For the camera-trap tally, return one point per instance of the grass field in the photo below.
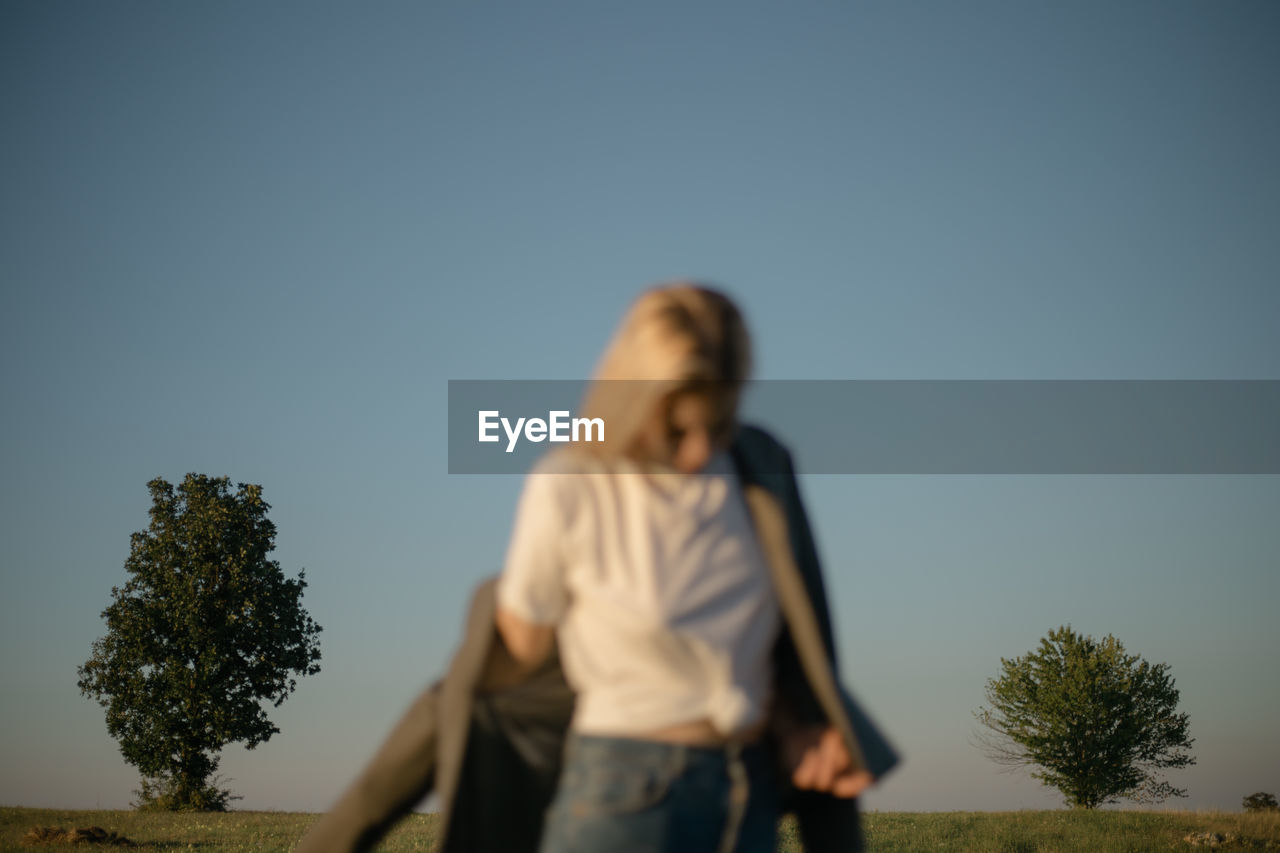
(996, 832)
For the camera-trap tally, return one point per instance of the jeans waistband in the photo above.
(621, 747)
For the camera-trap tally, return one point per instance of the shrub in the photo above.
(1261, 802)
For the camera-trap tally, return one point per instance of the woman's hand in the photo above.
(820, 762)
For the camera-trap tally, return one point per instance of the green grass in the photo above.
(1066, 831)
(996, 832)
(203, 832)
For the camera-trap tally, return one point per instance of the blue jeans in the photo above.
(619, 794)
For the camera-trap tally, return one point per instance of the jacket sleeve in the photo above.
(879, 755)
(399, 776)
(877, 752)
(806, 552)
(778, 472)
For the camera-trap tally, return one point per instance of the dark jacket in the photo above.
(489, 744)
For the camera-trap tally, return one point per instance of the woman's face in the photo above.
(684, 431)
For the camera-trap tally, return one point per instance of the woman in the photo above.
(639, 557)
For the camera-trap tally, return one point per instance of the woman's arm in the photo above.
(531, 594)
(527, 642)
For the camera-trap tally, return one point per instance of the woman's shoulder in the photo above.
(568, 460)
(570, 480)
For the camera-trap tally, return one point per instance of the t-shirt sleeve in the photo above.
(532, 584)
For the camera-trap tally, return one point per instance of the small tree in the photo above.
(1261, 802)
(1098, 723)
(205, 628)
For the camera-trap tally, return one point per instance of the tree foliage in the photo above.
(204, 630)
(1099, 724)
(1261, 802)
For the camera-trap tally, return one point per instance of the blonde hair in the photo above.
(675, 338)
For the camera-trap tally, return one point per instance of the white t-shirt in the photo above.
(662, 597)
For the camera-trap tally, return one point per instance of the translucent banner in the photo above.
(913, 426)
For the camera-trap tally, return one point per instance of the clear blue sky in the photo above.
(258, 239)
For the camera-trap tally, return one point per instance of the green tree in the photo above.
(1099, 724)
(1261, 802)
(204, 630)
